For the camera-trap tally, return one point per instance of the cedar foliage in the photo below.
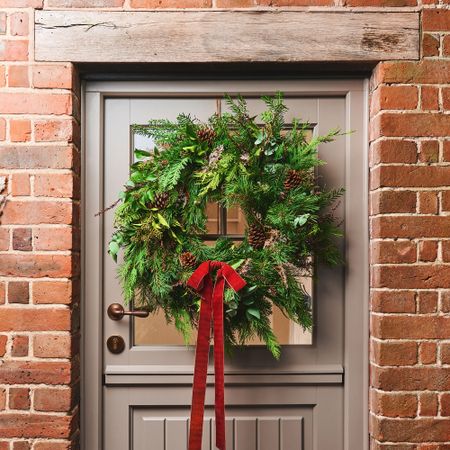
(235, 161)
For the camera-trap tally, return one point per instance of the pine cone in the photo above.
(188, 260)
(256, 236)
(207, 135)
(161, 201)
(293, 180)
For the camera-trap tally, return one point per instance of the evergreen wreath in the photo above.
(266, 170)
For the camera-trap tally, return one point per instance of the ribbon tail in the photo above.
(219, 362)
(201, 367)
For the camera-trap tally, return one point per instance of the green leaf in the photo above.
(113, 249)
(301, 220)
(253, 314)
(141, 154)
(236, 264)
(163, 221)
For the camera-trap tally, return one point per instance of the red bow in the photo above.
(211, 306)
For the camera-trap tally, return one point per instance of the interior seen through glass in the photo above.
(155, 331)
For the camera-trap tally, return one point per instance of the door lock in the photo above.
(116, 312)
(115, 344)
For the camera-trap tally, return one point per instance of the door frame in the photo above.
(356, 361)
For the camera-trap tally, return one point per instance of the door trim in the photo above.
(356, 404)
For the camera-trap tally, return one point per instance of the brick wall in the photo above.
(410, 231)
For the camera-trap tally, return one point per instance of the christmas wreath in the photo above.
(266, 169)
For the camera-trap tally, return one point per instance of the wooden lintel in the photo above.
(225, 36)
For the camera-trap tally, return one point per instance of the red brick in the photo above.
(54, 185)
(445, 353)
(446, 98)
(446, 251)
(19, 398)
(37, 266)
(394, 405)
(3, 342)
(410, 227)
(18, 76)
(429, 98)
(20, 184)
(2, 292)
(408, 430)
(394, 97)
(427, 302)
(2, 76)
(13, 50)
(428, 404)
(2, 129)
(22, 239)
(20, 130)
(382, 202)
(412, 276)
(35, 426)
(58, 292)
(53, 130)
(427, 352)
(410, 327)
(393, 301)
(446, 200)
(37, 157)
(35, 319)
(446, 45)
(430, 45)
(150, 4)
(53, 76)
(2, 22)
(4, 240)
(235, 3)
(21, 4)
(393, 151)
(37, 212)
(436, 20)
(18, 292)
(19, 346)
(394, 353)
(56, 239)
(52, 346)
(393, 252)
(445, 301)
(52, 399)
(445, 404)
(410, 176)
(3, 404)
(428, 202)
(84, 3)
(33, 372)
(18, 23)
(425, 71)
(410, 125)
(48, 445)
(21, 445)
(380, 3)
(416, 378)
(35, 103)
(428, 251)
(429, 152)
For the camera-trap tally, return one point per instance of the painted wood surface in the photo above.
(225, 36)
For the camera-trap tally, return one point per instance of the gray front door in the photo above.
(315, 396)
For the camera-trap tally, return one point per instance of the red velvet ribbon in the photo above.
(211, 307)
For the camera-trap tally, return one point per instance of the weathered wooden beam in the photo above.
(225, 36)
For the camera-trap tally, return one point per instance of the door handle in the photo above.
(116, 312)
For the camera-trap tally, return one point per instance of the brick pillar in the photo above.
(410, 231)
(39, 242)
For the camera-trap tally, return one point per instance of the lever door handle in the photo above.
(116, 312)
